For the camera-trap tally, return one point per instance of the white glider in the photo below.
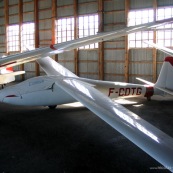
(62, 86)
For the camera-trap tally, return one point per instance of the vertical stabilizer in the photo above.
(165, 79)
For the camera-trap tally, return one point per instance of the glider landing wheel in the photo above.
(52, 106)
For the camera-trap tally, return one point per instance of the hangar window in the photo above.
(27, 36)
(136, 18)
(165, 32)
(88, 25)
(65, 29)
(140, 16)
(13, 38)
(164, 12)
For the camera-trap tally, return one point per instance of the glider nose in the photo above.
(2, 95)
(8, 96)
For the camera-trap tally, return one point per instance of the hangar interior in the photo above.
(40, 23)
(73, 139)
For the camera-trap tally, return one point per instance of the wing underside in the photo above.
(150, 139)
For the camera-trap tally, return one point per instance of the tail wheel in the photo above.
(52, 106)
(149, 92)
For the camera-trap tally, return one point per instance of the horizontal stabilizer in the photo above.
(165, 90)
(159, 88)
(145, 81)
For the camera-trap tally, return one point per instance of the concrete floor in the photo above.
(73, 140)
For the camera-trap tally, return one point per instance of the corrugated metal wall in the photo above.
(114, 51)
(141, 64)
(136, 4)
(28, 11)
(88, 63)
(162, 3)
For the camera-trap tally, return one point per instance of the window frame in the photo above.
(164, 34)
(27, 36)
(163, 38)
(13, 38)
(20, 37)
(85, 28)
(64, 29)
(135, 17)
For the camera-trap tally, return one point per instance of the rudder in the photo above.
(165, 79)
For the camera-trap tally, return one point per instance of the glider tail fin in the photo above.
(165, 79)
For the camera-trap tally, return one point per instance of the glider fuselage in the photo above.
(42, 91)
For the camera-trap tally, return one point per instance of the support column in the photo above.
(6, 21)
(54, 12)
(101, 44)
(154, 49)
(36, 19)
(22, 67)
(126, 66)
(54, 17)
(76, 36)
